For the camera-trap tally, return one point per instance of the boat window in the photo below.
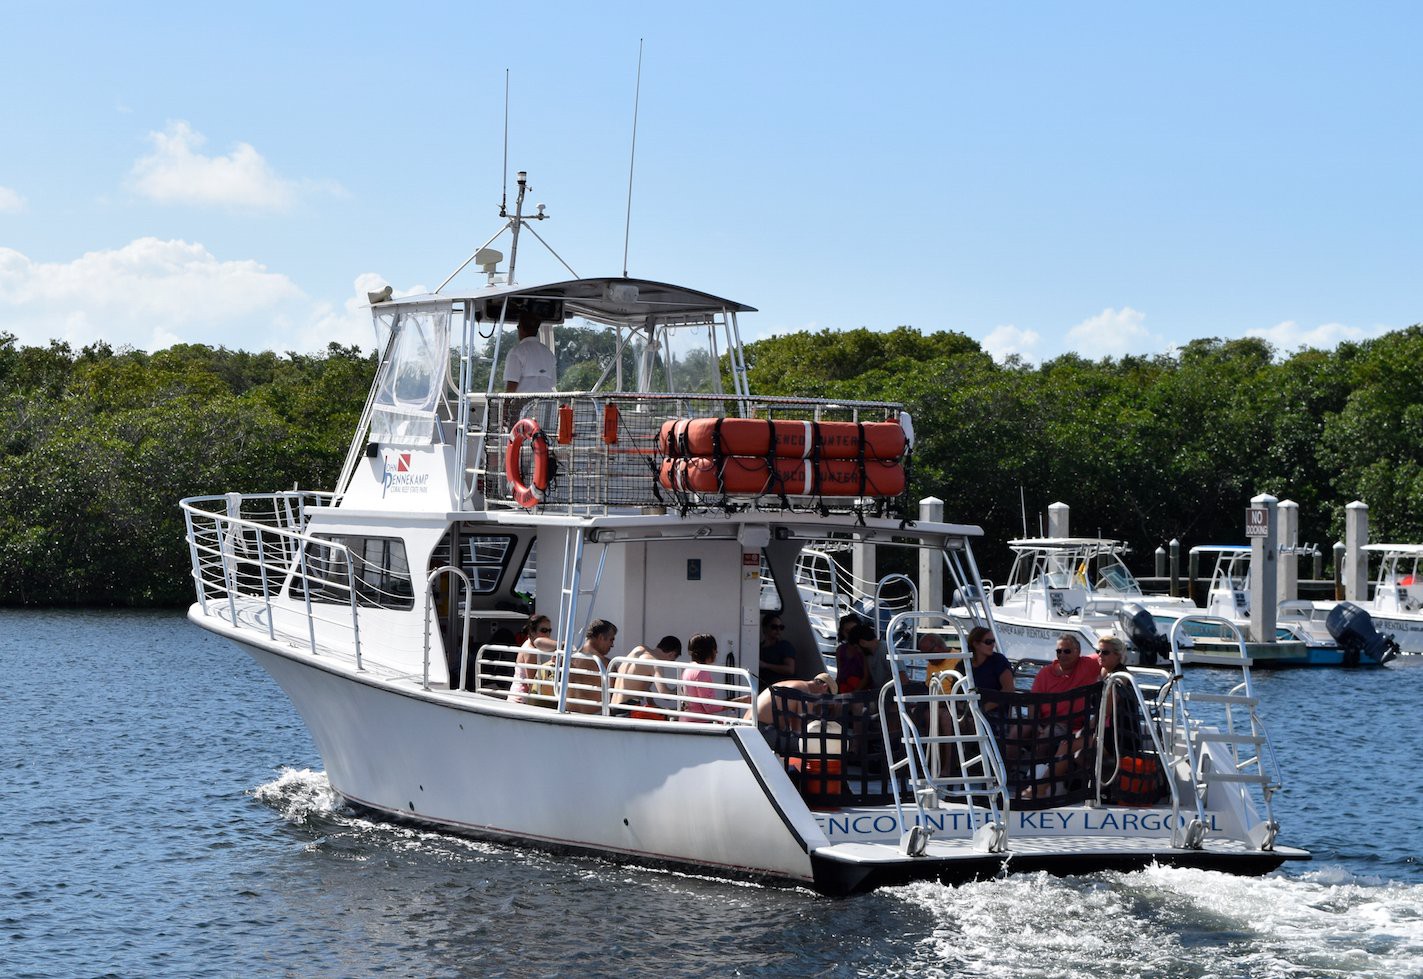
(483, 560)
(378, 567)
(483, 557)
(413, 374)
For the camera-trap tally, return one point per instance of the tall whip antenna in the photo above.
(504, 200)
(637, 94)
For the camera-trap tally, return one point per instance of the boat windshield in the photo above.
(1114, 578)
(413, 373)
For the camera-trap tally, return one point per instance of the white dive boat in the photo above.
(1397, 603)
(384, 610)
(1302, 633)
(1076, 585)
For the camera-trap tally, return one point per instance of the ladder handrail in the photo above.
(992, 784)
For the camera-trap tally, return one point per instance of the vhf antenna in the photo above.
(504, 199)
(632, 158)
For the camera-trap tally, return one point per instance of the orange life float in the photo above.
(1140, 782)
(750, 476)
(529, 494)
(783, 439)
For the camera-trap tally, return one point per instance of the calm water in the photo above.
(165, 814)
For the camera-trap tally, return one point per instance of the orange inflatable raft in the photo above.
(751, 476)
(717, 437)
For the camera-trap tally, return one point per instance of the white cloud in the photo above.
(753, 329)
(1003, 342)
(1114, 333)
(151, 294)
(10, 201)
(1289, 336)
(177, 173)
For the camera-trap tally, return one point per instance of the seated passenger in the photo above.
(1070, 671)
(822, 685)
(589, 666)
(932, 644)
(701, 702)
(532, 655)
(852, 659)
(637, 681)
(991, 669)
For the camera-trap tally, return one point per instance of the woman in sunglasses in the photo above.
(533, 653)
(991, 669)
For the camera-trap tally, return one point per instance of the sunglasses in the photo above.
(544, 630)
(990, 641)
(1065, 651)
(1108, 652)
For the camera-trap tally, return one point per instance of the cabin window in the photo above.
(378, 567)
(483, 557)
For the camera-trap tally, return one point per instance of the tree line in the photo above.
(98, 445)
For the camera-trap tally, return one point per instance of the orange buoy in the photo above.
(565, 424)
(610, 424)
(784, 439)
(529, 494)
(750, 476)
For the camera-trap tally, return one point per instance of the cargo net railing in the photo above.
(831, 747)
(598, 452)
(252, 567)
(1048, 742)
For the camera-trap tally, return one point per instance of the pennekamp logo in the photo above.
(400, 477)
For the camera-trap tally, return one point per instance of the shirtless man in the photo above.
(589, 666)
(821, 685)
(638, 681)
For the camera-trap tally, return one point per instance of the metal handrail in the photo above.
(1150, 723)
(227, 530)
(429, 607)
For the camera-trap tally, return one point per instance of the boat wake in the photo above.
(306, 799)
(1170, 922)
(300, 795)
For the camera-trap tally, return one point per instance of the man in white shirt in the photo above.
(530, 366)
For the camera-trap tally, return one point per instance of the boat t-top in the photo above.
(395, 611)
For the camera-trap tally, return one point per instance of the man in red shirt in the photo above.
(1070, 671)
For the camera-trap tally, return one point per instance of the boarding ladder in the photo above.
(974, 774)
(1221, 738)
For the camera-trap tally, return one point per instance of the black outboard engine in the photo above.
(1140, 627)
(1353, 629)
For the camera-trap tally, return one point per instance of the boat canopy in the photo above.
(1065, 543)
(610, 300)
(1398, 550)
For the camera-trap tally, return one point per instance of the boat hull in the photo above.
(682, 796)
(709, 797)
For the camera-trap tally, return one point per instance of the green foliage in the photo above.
(98, 445)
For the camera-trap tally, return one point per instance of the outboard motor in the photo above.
(1141, 631)
(1353, 629)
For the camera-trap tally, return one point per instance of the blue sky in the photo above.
(1103, 178)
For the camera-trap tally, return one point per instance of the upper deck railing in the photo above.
(603, 447)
